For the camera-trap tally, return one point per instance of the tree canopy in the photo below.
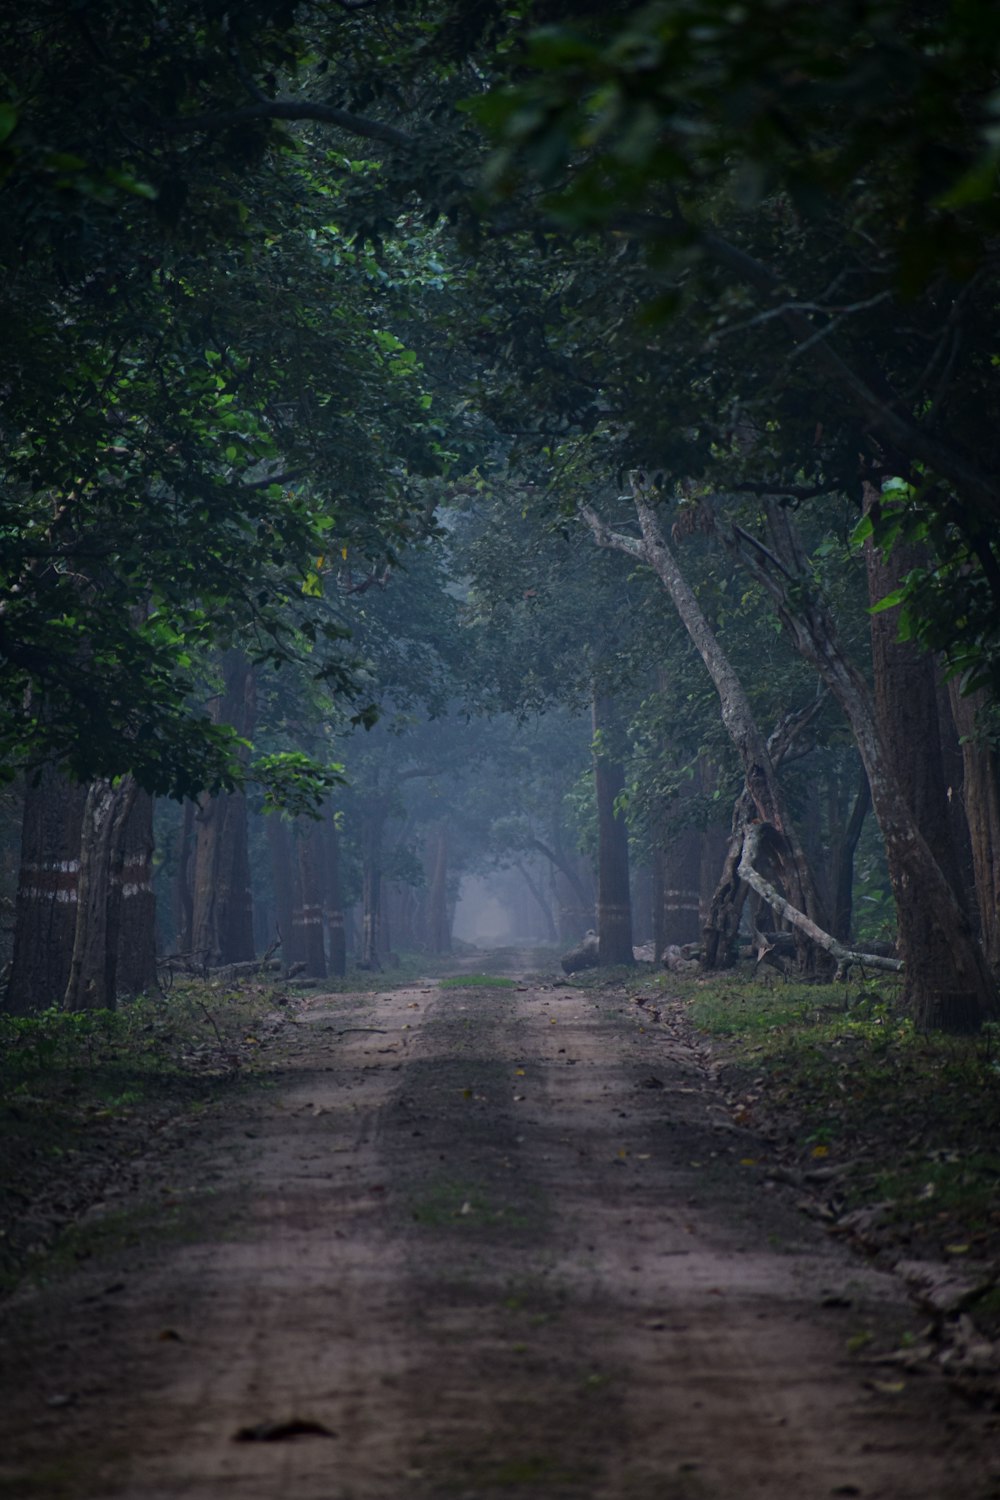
(337, 335)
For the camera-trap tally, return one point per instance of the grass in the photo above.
(476, 982)
(833, 1077)
(79, 1094)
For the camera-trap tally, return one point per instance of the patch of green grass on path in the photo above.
(477, 982)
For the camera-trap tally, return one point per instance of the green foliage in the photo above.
(295, 783)
(839, 1082)
(205, 398)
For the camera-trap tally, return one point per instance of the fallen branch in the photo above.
(846, 958)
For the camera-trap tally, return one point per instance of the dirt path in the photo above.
(497, 1243)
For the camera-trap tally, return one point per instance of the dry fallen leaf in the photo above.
(277, 1432)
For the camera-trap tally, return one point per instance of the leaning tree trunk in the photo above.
(542, 903)
(137, 932)
(575, 903)
(45, 911)
(762, 784)
(948, 982)
(92, 982)
(614, 903)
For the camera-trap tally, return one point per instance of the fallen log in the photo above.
(847, 958)
(586, 956)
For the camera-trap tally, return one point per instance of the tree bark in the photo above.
(223, 901)
(843, 849)
(183, 895)
(45, 909)
(372, 826)
(92, 982)
(981, 798)
(334, 898)
(846, 957)
(762, 784)
(948, 982)
(310, 913)
(614, 906)
(283, 883)
(137, 936)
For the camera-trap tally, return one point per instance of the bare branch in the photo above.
(847, 958)
(913, 442)
(615, 541)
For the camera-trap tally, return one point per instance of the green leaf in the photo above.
(889, 602)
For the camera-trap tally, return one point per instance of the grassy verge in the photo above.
(894, 1134)
(81, 1095)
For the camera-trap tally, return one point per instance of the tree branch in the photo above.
(911, 441)
(846, 958)
(288, 109)
(616, 541)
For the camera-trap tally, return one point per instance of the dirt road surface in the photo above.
(471, 1243)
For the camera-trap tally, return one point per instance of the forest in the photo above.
(499, 749)
(532, 439)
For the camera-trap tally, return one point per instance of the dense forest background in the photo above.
(551, 442)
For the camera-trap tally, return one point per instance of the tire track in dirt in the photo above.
(500, 1242)
(658, 1330)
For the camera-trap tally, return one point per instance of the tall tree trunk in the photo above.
(45, 910)
(844, 844)
(682, 864)
(310, 863)
(92, 982)
(223, 901)
(137, 935)
(906, 709)
(183, 895)
(762, 784)
(372, 827)
(283, 883)
(614, 904)
(948, 983)
(981, 798)
(334, 897)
